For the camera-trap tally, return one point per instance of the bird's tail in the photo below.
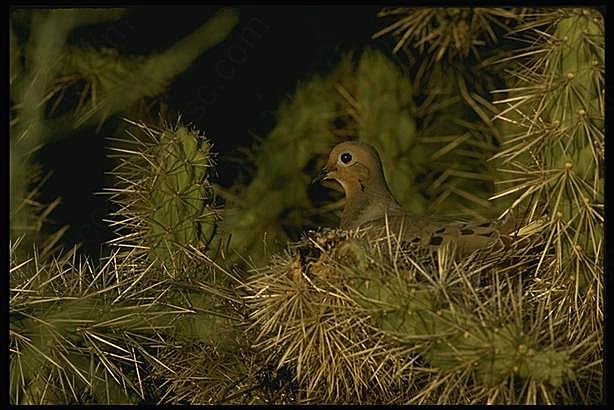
(523, 222)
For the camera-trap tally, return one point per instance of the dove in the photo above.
(369, 204)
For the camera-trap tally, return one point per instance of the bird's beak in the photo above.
(322, 176)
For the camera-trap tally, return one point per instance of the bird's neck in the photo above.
(366, 204)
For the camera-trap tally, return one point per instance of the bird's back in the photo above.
(432, 232)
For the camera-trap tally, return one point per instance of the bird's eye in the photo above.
(346, 157)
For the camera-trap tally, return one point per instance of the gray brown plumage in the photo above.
(358, 169)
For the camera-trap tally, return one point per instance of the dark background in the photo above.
(230, 93)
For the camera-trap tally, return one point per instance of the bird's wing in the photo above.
(433, 232)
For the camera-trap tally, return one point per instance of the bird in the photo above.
(369, 204)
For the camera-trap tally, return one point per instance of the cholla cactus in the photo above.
(304, 318)
(556, 109)
(84, 330)
(381, 323)
(163, 190)
(81, 333)
(87, 333)
(554, 154)
(446, 32)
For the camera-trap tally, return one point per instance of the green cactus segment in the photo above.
(82, 334)
(557, 106)
(201, 326)
(177, 198)
(554, 154)
(79, 333)
(43, 52)
(166, 200)
(582, 55)
(577, 104)
(456, 337)
(566, 93)
(496, 353)
(447, 334)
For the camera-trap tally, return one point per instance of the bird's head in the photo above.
(355, 166)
